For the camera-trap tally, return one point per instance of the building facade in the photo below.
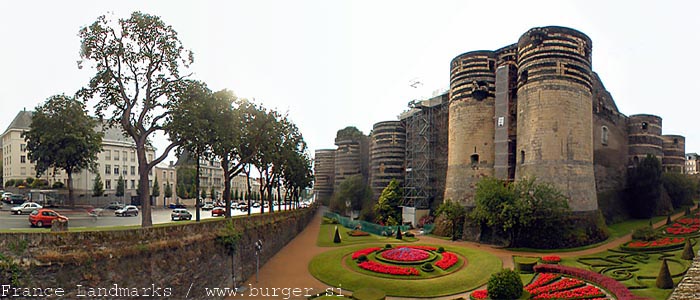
(117, 159)
(165, 175)
(692, 164)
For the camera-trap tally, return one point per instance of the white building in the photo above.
(118, 158)
(692, 164)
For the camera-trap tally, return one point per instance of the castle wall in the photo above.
(674, 153)
(555, 138)
(644, 137)
(471, 153)
(387, 155)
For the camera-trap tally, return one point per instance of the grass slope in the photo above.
(325, 237)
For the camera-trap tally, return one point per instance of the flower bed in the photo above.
(357, 233)
(556, 286)
(367, 251)
(405, 254)
(541, 280)
(479, 294)
(659, 244)
(448, 260)
(613, 286)
(688, 221)
(584, 292)
(426, 248)
(551, 259)
(387, 269)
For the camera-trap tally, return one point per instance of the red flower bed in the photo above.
(551, 259)
(479, 294)
(541, 280)
(559, 285)
(386, 269)
(357, 233)
(405, 254)
(682, 230)
(657, 243)
(688, 221)
(364, 252)
(426, 248)
(448, 259)
(577, 293)
(613, 286)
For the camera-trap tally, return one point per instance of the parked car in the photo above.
(25, 208)
(44, 216)
(218, 211)
(180, 214)
(208, 206)
(17, 199)
(6, 196)
(115, 205)
(178, 205)
(128, 210)
(256, 204)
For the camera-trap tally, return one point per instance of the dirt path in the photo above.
(289, 267)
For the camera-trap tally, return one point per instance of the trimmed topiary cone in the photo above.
(688, 253)
(687, 211)
(336, 238)
(664, 281)
(398, 234)
(668, 220)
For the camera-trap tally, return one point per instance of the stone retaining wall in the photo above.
(151, 262)
(689, 287)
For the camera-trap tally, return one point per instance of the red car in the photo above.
(43, 217)
(218, 211)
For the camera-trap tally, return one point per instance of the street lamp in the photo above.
(258, 249)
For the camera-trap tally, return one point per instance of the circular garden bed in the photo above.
(402, 270)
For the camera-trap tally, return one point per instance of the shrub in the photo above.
(362, 258)
(408, 234)
(18, 183)
(336, 238)
(664, 281)
(645, 234)
(398, 234)
(10, 182)
(688, 253)
(29, 180)
(679, 187)
(505, 284)
(427, 267)
(441, 250)
(387, 246)
(57, 185)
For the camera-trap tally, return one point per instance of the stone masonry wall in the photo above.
(689, 287)
(146, 261)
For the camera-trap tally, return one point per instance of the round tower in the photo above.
(554, 113)
(470, 154)
(387, 155)
(674, 153)
(644, 138)
(324, 174)
(348, 160)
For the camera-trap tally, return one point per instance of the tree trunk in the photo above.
(269, 195)
(71, 198)
(262, 194)
(196, 187)
(146, 219)
(227, 187)
(247, 179)
(279, 198)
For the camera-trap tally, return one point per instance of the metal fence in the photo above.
(364, 226)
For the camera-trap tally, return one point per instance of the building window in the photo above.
(116, 155)
(501, 121)
(475, 160)
(645, 126)
(23, 147)
(22, 159)
(675, 141)
(133, 156)
(522, 156)
(108, 184)
(116, 170)
(133, 170)
(124, 172)
(133, 184)
(604, 135)
(108, 169)
(108, 154)
(124, 155)
(171, 175)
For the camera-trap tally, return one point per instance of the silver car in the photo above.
(27, 207)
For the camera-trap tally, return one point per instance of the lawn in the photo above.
(325, 237)
(328, 267)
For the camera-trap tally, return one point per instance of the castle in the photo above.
(531, 109)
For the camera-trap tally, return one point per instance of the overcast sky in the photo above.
(331, 64)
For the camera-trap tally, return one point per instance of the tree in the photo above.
(120, 187)
(518, 208)
(185, 180)
(63, 136)
(168, 190)
(97, 186)
(454, 212)
(212, 193)
(354, 190)
(137, 62)
(643, 189)
(203, 194)
(155, 192)
(680, 188)
(389, 201)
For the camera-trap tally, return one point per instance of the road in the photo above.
(80, 218)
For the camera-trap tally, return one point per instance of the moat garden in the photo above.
(648, 265)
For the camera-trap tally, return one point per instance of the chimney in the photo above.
(171, 163)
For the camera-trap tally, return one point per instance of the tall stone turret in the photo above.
(324, 174)
(351, 155)
(674, 153)
(471, 153)
(554, 120)
(387, 155)
(644, 137)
